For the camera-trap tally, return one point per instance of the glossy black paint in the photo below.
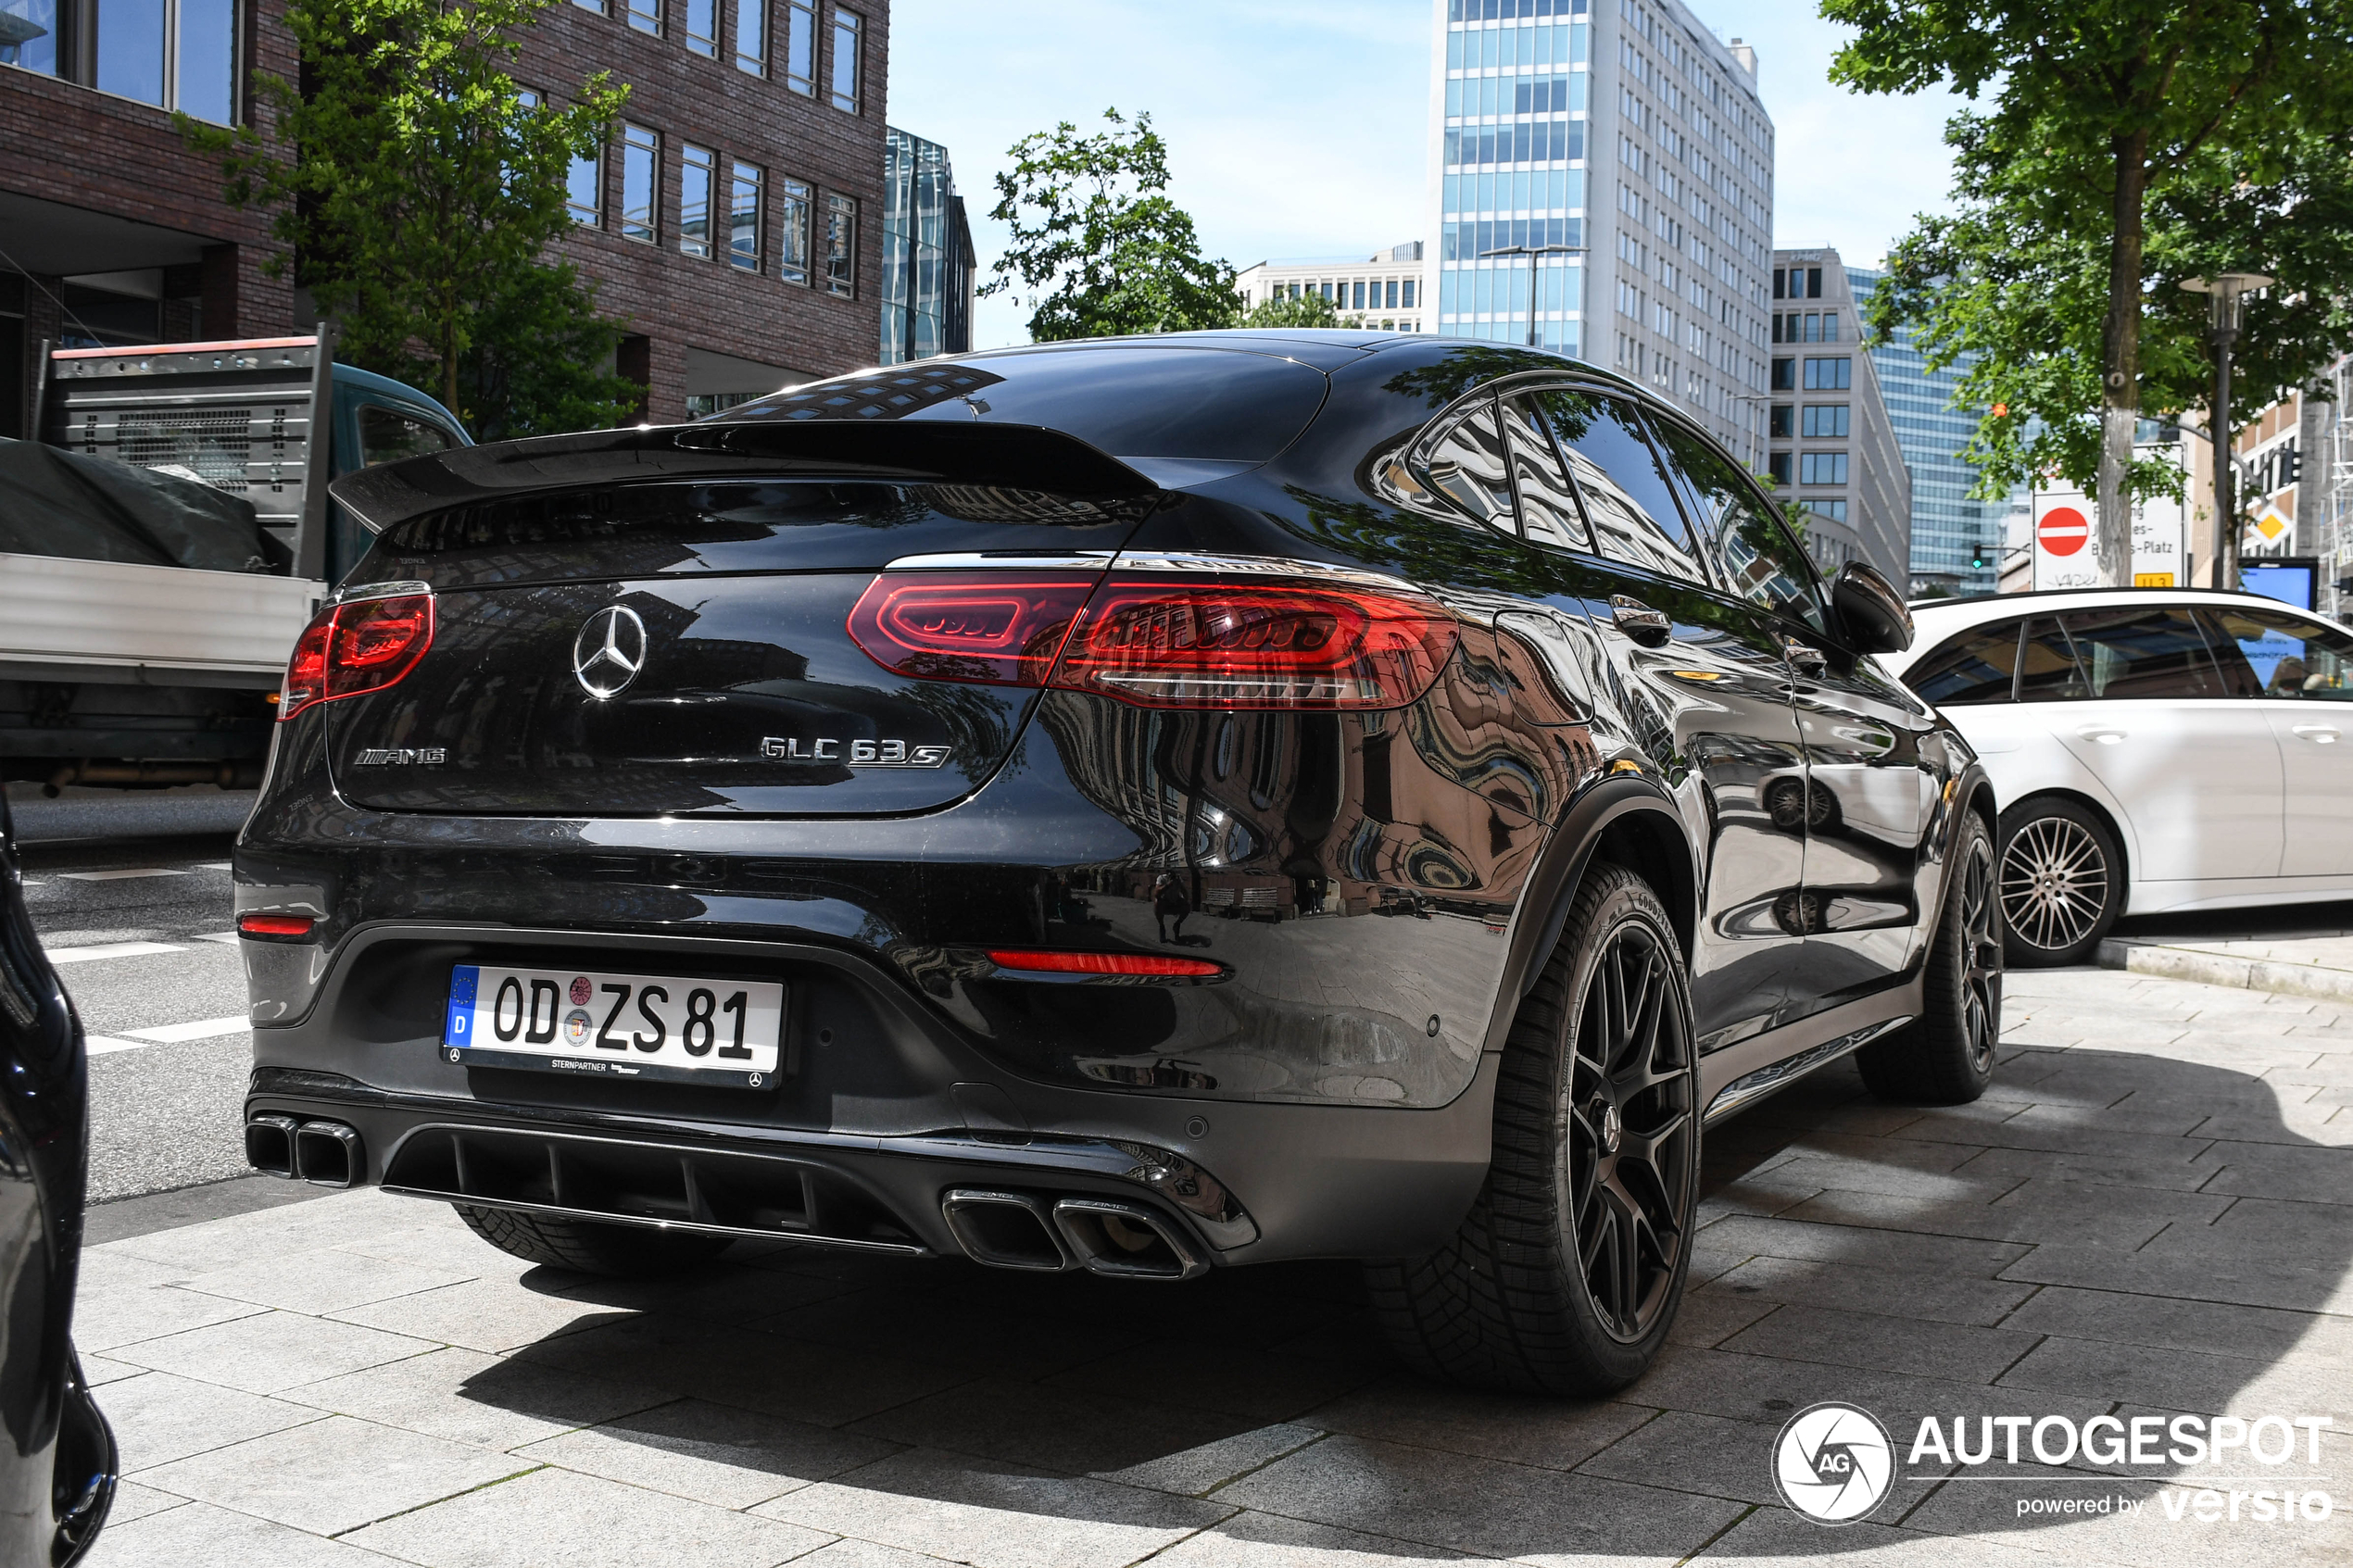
(1377, 885)
(56, 1454)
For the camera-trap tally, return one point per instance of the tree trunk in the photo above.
(2120, 363)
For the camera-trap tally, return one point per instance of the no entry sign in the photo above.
(2063, 530)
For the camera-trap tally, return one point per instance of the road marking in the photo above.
(217, 936)
(214, 865)
(202, 1029)
(102, 1045)
(109, 950)
(118, 876)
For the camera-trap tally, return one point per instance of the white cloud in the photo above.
(1303, 130)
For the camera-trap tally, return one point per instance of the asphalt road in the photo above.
(141, 932)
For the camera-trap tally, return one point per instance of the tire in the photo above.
(1945, 1057)
(1567, 1272)
(587, 1247)
(2062, 882)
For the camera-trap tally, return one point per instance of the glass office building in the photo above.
(1628, 141)
(1957, 542)
(927, 253)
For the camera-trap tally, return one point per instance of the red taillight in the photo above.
(275, 925)
(358, 647)
(1162, 644)
(991, 629)
(1099, 963)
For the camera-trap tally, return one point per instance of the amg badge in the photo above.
(429, 757)
(861, 753)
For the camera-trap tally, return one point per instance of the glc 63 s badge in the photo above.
(861, 753)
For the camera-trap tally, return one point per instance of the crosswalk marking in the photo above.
(102, 1045)
(109, 950)
(200, 1029)
(120, 875)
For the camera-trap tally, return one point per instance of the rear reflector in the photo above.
(1100, 963)
(353, 648)
(275, 925)
(988, 629)
(1158, 642)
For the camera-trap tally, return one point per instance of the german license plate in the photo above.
(728, 1032)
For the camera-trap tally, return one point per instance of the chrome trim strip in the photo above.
(359, 591)
(1013, 560)
(1255, 566)
(1745, 1091)
(606, 1217)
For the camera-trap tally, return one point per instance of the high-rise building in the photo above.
(1957, 542)
(1625, 142)
(1833, 452)
(1384, 291)
(927, 252)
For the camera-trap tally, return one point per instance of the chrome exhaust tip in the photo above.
(1125, 1240)
(270, 1144)
(327, 1154)
(1006, 1230)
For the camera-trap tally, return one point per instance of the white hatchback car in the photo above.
(2153, 749)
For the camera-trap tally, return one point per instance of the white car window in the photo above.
(2285, 654)
(2047, 671)
(2145, 651)
(1979, 665)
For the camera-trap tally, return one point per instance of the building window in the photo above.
(751, 36)
(640, 177)
(742, 219)
(1833, 510)
(645, 15)
(702, 27)
(1407, 303)
(697, 173)
(1824, 419)
(174, 54)
(585, 188)
(1777, 468)
(1821, 467)
(801, 47)
(1358, 290)
(1785, 375)
(846, 61)
(1823, 375)
(1391, 304)
(1777, 426)
(800, 204)
(841, 246)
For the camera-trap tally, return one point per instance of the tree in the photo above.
(1306, 310)
(2101, 116)
(1097, 249)
(418, 191)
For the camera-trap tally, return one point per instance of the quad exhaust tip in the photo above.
(1017, 1230)
(326, 1154)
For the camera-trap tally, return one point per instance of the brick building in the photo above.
(735, 222)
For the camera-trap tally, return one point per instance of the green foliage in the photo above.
(418, 193)
(2123, 147)
(1097, 250)
(1309, 309)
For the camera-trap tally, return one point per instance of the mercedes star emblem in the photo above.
(610, 651)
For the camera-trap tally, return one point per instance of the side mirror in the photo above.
(1870, 610)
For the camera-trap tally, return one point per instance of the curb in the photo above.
(2221, 969)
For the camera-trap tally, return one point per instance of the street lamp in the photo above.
(1535, 255)
(2226, 313)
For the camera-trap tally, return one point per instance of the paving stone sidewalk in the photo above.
(2297, 950)
(2151, 1212)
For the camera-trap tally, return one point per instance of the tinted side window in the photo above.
(1979, 665)
(2153, 651)
(386, 435)
(1758, 557)
(1547, 504)
(2285, 655)
(1465, 463)
(1628, 499)
(2046, 667)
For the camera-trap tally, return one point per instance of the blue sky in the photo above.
(1301, 129)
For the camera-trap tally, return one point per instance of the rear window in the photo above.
(1209, 404)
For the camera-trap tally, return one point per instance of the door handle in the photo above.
(2106, 735)
(1638, 620)
(2320, 735)
(1805, 656)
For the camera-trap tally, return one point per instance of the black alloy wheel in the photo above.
(1947, 1056)
(1565, 1274)
(2062, 883)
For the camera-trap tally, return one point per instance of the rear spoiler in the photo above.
(1009, 457)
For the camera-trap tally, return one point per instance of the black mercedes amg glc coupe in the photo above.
(1140, 805)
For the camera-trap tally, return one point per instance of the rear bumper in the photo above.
(883, 1110)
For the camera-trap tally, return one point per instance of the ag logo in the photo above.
(1833, 1463)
